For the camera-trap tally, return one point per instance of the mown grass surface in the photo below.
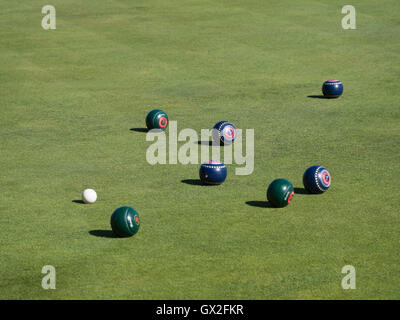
(69, 97)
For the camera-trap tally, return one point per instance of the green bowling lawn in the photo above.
(73, 103)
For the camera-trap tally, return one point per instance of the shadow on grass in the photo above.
(78, 201)
(139, 129)
(317, 97)
(193, 182)
(205, 143)
(260, 204)
(103, 233)
(300, 191)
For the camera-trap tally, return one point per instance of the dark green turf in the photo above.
(69, 97)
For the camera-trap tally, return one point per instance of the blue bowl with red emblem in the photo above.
(316, 179)
(212, 172)
(332, 89)
(224, 133)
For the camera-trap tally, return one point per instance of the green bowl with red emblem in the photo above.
(157, 119)
(125, 222)
(280, 193)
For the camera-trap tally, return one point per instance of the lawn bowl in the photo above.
(157, 119)
(224, 133)
(316, 179)
(125, 222)
(332, 89)
(280, 193)
(212, 172)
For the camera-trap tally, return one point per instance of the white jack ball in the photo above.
(89, 196)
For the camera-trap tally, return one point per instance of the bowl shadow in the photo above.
(78, 201)
(103, 233)
(260, 204)
(300, 191)
(205, 143)
(139, 129)
(317, 97)
(193, 182)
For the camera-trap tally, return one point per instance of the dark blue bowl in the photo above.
(316, 179)
(212, 172)
(332, 88)
(224, 132)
